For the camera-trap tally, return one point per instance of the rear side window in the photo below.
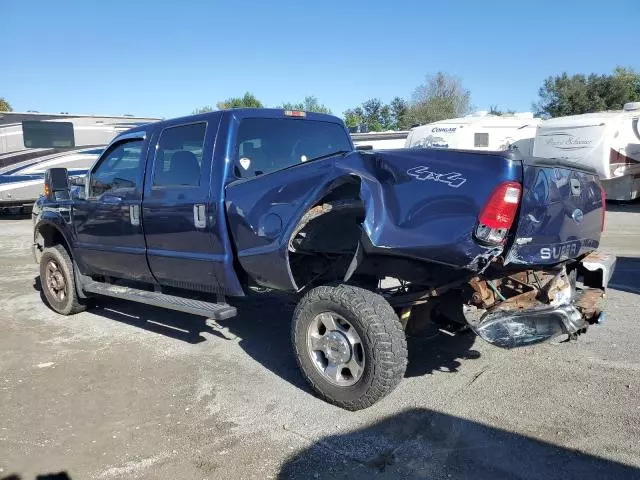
(118, 171)
(481, 139)
(179, 156)
(268, 144)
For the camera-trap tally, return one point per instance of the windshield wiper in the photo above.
(327, 155)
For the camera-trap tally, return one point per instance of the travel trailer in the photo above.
(26, 131)
(608, 142)
(478, 131)
(32, 142)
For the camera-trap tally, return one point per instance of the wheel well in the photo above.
(47, 236)
(325, 239)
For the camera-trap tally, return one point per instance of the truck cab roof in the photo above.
(239, 114)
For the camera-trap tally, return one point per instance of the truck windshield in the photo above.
(268, 144)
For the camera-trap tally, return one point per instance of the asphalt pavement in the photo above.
(128, 391)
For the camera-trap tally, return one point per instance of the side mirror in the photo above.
(78, 186)
(56, 184)
(364, 147)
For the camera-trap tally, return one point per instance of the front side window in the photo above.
(179, 156)
(268, 144)
(118, 171)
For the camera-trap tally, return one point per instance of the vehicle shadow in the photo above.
(46, 476)
(440, 352)
(616, 206)
(15, 216)
(262, 328)
(626, 276)
(422, 443)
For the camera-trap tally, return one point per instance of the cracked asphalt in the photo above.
(128, 391)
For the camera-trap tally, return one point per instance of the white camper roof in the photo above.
(588, 119)
(482, 118)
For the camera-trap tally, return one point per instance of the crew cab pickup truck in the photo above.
(188, 213)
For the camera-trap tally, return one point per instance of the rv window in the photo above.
(39, 134)
(481, 139)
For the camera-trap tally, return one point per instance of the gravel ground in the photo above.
(128, 391)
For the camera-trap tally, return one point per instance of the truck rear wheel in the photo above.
(58, 281)
(349, 344)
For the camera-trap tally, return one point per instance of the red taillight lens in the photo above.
(604, 206)
(499, 213)
(500, 210)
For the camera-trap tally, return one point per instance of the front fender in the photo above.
(56, 217)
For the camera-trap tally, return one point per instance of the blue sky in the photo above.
(165, 58)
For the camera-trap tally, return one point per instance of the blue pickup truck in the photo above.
(187, 213)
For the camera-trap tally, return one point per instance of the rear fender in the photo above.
(264, 211)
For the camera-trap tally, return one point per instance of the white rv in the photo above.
(26, 131)
(608, 142)
(478, 131)
(32, 142)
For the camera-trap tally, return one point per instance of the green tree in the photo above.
(309, 104)
(205, 109)
(247, 101)
(373, 114)
(5, 106)
(354, 117)
(442, 96)
(399, 108)
(573, 95)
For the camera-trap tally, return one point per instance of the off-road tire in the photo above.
(71, 303)
(383, 342)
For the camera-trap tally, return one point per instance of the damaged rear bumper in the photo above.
(569, 311)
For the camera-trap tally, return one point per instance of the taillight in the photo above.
(499, 213)
(604, 206)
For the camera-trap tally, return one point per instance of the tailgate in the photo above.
(561, 213)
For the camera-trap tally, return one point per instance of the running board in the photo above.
(217, 311)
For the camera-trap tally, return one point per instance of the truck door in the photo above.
(109, 237)
(179, 216)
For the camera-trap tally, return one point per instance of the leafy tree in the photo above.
(5, 106)
(373, 115)
(573, 95)
(247, 101)
(399, 108)
(309, 104)
(440, 97)
(354, 117)
(205, 109)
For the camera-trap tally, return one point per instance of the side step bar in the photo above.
(217, 311)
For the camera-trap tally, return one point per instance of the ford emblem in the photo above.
(577, 215)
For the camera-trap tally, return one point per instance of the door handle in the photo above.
(111, 199)
(134, 215)
(199, 215)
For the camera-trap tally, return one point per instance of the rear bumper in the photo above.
(570, 312)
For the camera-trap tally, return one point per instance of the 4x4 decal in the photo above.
(422, 172)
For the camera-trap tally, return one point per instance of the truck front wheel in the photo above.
(349, 344)
(58, 282)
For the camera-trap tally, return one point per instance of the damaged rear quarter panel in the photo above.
(417, 206)
(426, 219)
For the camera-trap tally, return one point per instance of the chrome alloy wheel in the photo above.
(335, 349)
